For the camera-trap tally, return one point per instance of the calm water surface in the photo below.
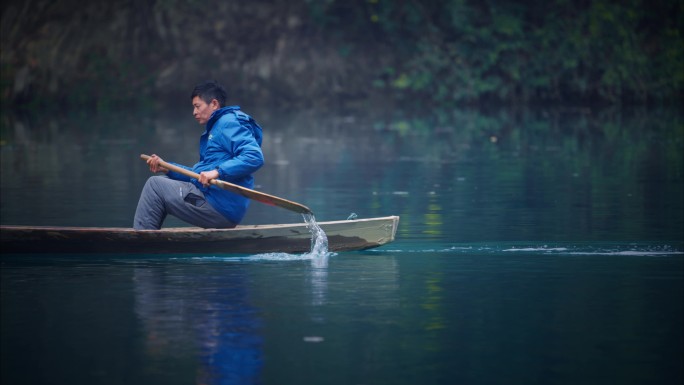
(538, 248)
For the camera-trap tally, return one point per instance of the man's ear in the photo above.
(214, 104)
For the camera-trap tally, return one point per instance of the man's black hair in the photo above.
(210, 90)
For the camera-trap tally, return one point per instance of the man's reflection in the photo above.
(206, 315)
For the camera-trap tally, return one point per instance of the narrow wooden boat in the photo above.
(347, 235)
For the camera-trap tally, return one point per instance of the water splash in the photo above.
(319, 242)
(318, 254)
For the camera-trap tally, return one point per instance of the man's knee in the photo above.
(155, 182)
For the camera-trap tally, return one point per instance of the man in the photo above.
(230, 150)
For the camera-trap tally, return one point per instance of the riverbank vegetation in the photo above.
(305, 53)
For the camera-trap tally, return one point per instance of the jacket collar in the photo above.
(216, 115)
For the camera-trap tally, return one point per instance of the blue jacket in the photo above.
(231, 144)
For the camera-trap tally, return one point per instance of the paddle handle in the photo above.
(258, 196)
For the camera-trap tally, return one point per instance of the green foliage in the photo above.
(313, 52)
(467, 51)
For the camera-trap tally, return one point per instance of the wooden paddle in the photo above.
(244, 191)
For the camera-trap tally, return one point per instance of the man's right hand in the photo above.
(153, 162)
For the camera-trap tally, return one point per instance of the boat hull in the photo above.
(348, 235)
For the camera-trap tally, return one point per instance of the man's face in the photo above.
(201, 110)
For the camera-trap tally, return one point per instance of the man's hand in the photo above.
(206, 177)
(153, 162)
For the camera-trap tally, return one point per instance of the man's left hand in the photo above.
(206, 177)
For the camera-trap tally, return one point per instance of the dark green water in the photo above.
(533, 248)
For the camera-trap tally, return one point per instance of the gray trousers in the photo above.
(162, 196)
